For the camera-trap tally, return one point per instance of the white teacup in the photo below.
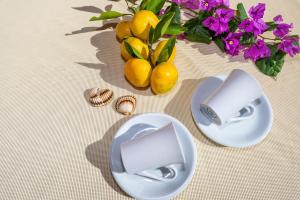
(233, 100)
(157, 149)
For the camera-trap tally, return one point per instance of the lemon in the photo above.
(137, 44)
(141, 23)
(164, 77)
(158, 49)
(138, 72)
(123, 30)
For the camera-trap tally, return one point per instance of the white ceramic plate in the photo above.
(144, 188)
(241, 134)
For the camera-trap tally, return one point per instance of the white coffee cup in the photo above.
(159, 148)
(233, 100)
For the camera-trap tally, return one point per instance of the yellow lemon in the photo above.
(163, 78)
(158, 49)
(141, 23)
(123, 30)
(137, 44)
(138, 72)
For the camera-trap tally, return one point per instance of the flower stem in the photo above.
(127, 3)
(266, 38)
(193, 11)
(189, 14)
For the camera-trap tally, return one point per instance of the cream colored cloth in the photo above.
(54, 145)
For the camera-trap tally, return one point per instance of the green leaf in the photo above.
(273, 49)
(133, 9)
(108, 15)
(192, 22)
(151, 36)
(132, 1)
(233, 25)
(166, 51)
(203, 15)
(162, 26)
(271, 66)
(272, 26)
(241, 12)
(132, 51)
(195, 32)
(219, 42)
(175, 29)
(176, 9)
(153, 5)
(296, 42)
(143, 4)
(247, 39)
(198, 33)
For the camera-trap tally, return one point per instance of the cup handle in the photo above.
(153, 176)
(250, 110)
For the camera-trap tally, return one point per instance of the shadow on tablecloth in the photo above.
(98, 152)
(111, 65)
(180, 108)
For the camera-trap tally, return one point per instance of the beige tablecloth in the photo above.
(54, 145)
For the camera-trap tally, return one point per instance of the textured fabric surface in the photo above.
(54, 145)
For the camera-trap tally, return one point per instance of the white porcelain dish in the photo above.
(143, 188)
(240, 134)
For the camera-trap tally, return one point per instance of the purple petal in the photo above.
(259, 27)
(225, 15)
(278, 18)
(192, 4)
(211, 23)
(207, 5)
(223, 3)
(161, 12)
(288, 45)
(232, 44)
(247, 25)
(282, 30)
(258, 11)
(223, 27)
(257, 51)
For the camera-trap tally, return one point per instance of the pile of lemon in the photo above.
(142, 72)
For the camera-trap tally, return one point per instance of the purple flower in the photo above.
(259, 27)
(224, 15)
(282, 30)
(253, 26)
(161, 12)
(288, 45)
(215, 25)
(192, 4)
(232, 43)
(181, 36)
(258, 11)
(246, 25)
(278, 19)
(223, 3)
(224, 27)
(207, 5)
(211, 23)
(257, 51)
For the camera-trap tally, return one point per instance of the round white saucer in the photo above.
(143, 188)
(240, 134)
